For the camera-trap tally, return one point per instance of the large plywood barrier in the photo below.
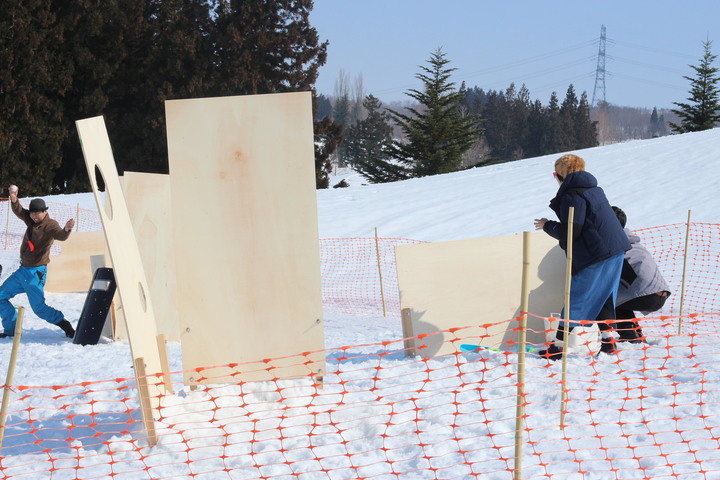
(70, 271)
(245, 230)
(123, 249)
(477, 282)
(148, 200)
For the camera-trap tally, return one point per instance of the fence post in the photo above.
(566, 317)
(684, 270)
(145, 406)
(10, 373)
(164, 362)
(377, 253)
(520, 400)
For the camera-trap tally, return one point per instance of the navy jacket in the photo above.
(597, 233)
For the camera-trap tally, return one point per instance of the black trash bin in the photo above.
(96, 308)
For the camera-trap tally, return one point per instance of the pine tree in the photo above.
(436, 133)
(585, 129)
(34, 77)
(703, 111)
(369, 142)
(91, 40)
(568, 115)
(552, 134)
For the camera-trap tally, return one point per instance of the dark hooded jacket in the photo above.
(597, 233)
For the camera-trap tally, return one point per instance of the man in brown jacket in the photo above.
(30, 277)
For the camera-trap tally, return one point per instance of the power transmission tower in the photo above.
(600, 71)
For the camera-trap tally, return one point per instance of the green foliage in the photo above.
(703, 110)
(34, 77)
(437, 133)
(368, 145)
(514, 127)
(63, 61)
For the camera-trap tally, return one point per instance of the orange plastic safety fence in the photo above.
(650, 411)
(351, 273)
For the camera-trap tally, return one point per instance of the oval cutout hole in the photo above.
(100, 185)
(143, 298)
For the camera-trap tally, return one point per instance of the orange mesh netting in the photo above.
(650, 411)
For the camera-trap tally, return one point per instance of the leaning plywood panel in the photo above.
(477, 282)
(148, 201)
(70, 270)
(246, 237)
(124, 253)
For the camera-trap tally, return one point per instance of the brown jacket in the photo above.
(39, 237)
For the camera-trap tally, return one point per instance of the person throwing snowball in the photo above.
(29, 278)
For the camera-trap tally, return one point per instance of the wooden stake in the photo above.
(145, 405)
(382, 292)
(682, 284)
(77, 218)
(165, 363)
(522, 342)
(10, 373)
(408, 333)
(566, 316)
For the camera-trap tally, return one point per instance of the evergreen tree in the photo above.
(585, 129)
(92, 30)
(369, 142)
(169, 55)
(552, 135)
(324, 107)
(703, 111)
(34, 77)
(568, 114)
(436, 133)
(537, 123)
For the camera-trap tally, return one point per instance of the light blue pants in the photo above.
(31, 281)
(592, 286)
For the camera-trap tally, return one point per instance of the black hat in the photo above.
(620, 215)
(37, 205)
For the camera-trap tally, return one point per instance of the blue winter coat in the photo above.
(597, 233)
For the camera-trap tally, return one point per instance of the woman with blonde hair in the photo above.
(599, 244)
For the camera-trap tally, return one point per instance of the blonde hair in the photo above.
(568, 164)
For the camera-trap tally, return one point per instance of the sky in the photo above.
(548, 45)
(653, 410)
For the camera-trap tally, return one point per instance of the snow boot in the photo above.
(67, 328)
(608, 346)
(552, 353)
(630, 332)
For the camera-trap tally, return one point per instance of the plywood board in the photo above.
(476, 282)
(123, 249)
(70, 270)
(245, 230)
(148, 200)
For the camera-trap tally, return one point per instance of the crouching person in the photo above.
(29, 278)
(642, 287)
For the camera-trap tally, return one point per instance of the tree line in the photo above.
(448, 129)
(64, 61)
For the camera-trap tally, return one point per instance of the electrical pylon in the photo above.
(600, 71)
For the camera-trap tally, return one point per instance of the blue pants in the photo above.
(31, 281)
(592, 287)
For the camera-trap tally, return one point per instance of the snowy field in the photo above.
(651, 412)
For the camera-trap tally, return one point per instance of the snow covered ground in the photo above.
(674, 435)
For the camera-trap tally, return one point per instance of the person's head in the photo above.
(568, 164)
(37, 209)
(620, 215)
